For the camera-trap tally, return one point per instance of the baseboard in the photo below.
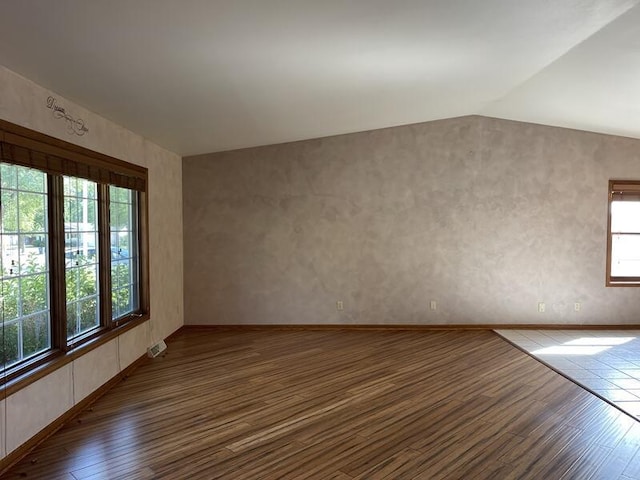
(332, 326)
(408, 327)
(23, 450)
(175, 334)
(554, 326)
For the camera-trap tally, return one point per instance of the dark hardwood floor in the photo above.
(342, 405)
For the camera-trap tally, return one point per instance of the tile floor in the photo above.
(605, 362)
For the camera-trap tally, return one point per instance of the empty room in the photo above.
(261, 239)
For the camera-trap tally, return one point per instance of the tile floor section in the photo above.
(605, 362)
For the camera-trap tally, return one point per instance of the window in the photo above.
(25, 280)
(81, 255)
(73, 260)
(623, 245)
(124, 252)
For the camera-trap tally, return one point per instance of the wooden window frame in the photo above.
(28, 148)
(618, 189)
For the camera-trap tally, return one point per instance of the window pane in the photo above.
(88, 313)
(8, 176)
(81, 255)
(625, 217)
(625, 256)
(87, 286)
(10, 348)
(24, 238)
(9, 211)
(124, 252)
(71, 209)
(10, 296)
(71, 288)
(34, 293)
(72, 318)
(36, 333)
(32, 259)
(30, 180)
(32, 214)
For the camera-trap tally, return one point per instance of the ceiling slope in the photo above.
(199, 76)
(595, 86)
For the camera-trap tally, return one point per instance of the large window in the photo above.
(24, 238)
(623, 252)
(73, 258)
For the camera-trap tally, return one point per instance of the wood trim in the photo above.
(609, 239)
(59, 361)
(619, 189)
(57, 261)
(144, 252)
(626, 283)
(175, 334)
(552, 326)
(23, 450)
(290, 413)
(41, 145)
(631, 186)
(59, 149)
(104, 263)
(410, 327)
(62, 360)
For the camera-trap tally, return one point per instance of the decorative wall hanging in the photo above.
(74, 125)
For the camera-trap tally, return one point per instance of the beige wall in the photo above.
(25, 413)
(484, 216)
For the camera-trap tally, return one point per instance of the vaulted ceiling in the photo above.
(198, 76)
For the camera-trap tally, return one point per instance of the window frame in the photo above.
(25, 147)
(618, 189)
(135, 225)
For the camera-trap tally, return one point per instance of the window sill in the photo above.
(623, 282)
(60, 359)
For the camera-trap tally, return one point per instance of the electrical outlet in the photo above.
(339, 305)
(541, 307)
(577, 307)
(433, 305)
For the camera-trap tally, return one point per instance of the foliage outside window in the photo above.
(623, 245)
(25, 268)
(81, 255)
(70, 249)
(124, 252)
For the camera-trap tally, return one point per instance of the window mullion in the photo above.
(56, 261)
(143, 252)
(104, 267)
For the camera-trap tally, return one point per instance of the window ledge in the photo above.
(60, 359)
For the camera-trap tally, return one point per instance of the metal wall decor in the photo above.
(74, 125)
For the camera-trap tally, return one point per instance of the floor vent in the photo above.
(156, 349)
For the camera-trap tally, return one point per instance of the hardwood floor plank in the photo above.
(588, 464)
(395, 466)
(288, 404)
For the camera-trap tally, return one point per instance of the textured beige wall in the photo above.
(34, 407)
(24, 103)
(484, 216)
(165, 242)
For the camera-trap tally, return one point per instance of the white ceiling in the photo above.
(198, 76)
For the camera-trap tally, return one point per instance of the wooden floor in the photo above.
(340, 405)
